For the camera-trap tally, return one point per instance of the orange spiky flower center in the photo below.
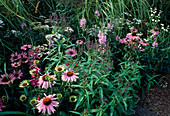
(69, 73)
(46, 101)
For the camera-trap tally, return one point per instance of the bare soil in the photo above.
(158, 99)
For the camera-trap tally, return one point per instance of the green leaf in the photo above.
(80, 99)
(13, 112)
(75, 112)
(101, 93)
(88, 101)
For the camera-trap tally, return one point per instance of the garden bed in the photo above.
(83, 58)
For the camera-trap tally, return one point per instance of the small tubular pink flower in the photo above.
(102, 37)
(97, 14)
(1, 105)
(79, 42)
(110, 26)
(155, 31)
(50, 42)
(18, 74)
(69, 76)
(154, 44)
(7, 79)
(15, 57)
(44, 81)
(47, 104)
(25, 47)
(71, 52)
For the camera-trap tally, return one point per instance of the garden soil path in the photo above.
(158, 99)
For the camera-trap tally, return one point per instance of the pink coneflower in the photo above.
(134, 30)
(23, 54)
(44, 81)
(7, 79)
(18, 74)
(25, 47)
(155, 31)
(15, 57)
(133, 41)
(124, 40)
(47, 104)
(71, 52)
(144, 42)
(1, 105)
(79, 42)
(132, 35)
(16, 64)
(69, 76)
(24, 58)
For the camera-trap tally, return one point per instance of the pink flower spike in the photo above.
(79, 42)
(69, 76)
(82, 22)
(47, 104)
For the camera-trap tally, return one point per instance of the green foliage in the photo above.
(110, 74)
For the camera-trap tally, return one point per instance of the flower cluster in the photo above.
(83, 23)
(102, 41)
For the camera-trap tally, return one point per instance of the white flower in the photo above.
(69, 29)
(153, 20)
